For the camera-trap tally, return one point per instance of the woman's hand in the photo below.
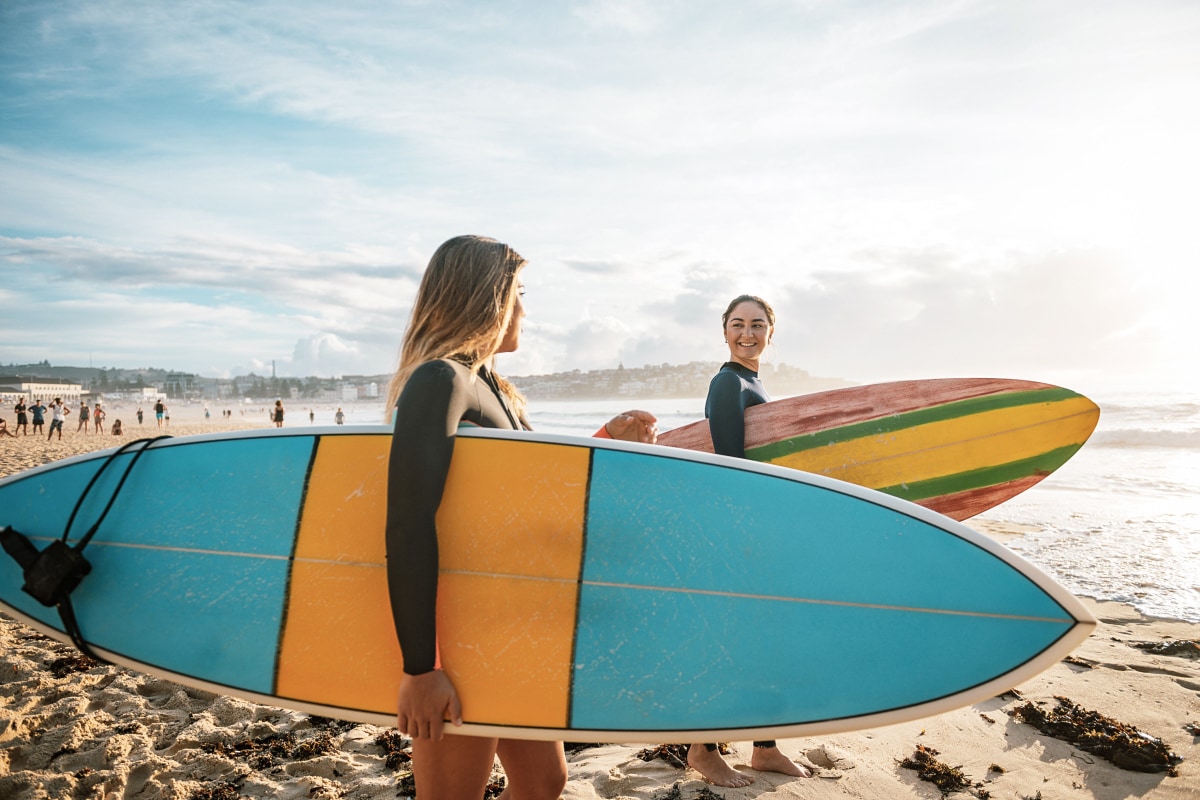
(425, 701)
(634, 426)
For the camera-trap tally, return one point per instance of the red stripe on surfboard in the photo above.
(772, 422)
(964, 505)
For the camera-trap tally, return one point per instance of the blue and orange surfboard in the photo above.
(589, 588)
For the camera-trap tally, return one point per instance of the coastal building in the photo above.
(15, 387)
(180, 384)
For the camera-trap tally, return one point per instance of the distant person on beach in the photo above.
(166, 415)
(277, 414)
(312, 416)
(159, 410)
(38, 411)
(22, 417)
(139, 415)
(116, 427)
(748, 324)
(58, 415)
(468, 309)
(85, 416)
(339, 417)
(98, 415)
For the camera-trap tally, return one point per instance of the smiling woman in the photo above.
(749, 324)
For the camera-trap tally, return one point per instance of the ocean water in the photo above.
(1119, 521)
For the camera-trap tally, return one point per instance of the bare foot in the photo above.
(714, 769)
(772, 759)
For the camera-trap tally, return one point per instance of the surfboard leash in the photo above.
(52, 574)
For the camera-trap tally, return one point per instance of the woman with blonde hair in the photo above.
(468, 309)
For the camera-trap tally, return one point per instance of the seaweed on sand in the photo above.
(675, 754)
(1123, 745)
(1181, 648)
(946, 778)
(396, 749)
(223, 790)
(267, 751)
(75, 662)
(674, 793)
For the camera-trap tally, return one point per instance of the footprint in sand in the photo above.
(831, 763)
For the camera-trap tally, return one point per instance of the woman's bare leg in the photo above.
(534, 770)
(453, 767)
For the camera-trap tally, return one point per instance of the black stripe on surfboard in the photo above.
(287, 584)
(583, 542)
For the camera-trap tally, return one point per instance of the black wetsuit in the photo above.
(731, 391)
(438, 397)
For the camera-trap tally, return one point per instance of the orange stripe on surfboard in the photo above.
(508, 506)
(323, 627)
(497, 506)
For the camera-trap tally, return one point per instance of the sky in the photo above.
(997, 188)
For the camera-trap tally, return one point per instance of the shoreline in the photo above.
(70, 728)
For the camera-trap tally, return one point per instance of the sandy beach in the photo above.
(70, 728)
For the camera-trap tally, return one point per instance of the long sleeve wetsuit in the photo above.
(438, 397)
(731, 391)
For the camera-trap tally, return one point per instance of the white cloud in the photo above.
(327, 355)
(1067, 314)
(906, 183)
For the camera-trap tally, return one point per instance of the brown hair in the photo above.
(743, 298)
(463, 306)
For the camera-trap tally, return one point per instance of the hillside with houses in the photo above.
(43, 380)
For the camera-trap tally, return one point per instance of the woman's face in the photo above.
(747, 332)
(512, 334)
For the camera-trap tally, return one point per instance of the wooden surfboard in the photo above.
(590, 590)
(957, 446)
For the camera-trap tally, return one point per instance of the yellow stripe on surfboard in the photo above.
(948, 447)
(497, 508)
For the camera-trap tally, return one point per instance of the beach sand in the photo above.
(74, 729)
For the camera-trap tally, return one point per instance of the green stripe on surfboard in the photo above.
(984, 476)
(910, 419)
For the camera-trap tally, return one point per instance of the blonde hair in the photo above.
(463, 307)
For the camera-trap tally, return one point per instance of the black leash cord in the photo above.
(87, 537)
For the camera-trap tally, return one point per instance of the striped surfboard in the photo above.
(957, 446)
